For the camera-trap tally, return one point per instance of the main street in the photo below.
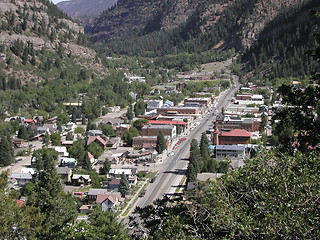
(173, 168)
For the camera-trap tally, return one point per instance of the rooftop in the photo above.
(237, 133)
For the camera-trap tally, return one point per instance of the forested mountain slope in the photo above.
(160, 28)
(38, 42)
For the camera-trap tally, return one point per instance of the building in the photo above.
(179, 124)
(97, 139)
(153, 130)
(228, 151)
(148, 142)
(179, 110)
(235, 136)
(154, 104)
(130, 173)
(204, 102)
(79, 179)
(227, 123)
(21, 178)
(68, 162)
(247, 99)
(65, 173)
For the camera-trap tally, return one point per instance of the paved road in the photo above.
(173, 168)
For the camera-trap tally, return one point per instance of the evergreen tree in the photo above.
(124, 185)
(204, 151)
(23, 133)
(86, 163)
(129, 113)
(139, 108)
(6, 151)
(106, 167)
(161, 143)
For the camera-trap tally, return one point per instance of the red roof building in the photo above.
(235, 136)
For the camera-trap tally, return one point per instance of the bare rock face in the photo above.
(79, 8)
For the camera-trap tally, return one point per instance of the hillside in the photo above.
(78, 8)
(161, 28)
(44, 54)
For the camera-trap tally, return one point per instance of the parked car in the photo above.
(153, 179)
(142, 193)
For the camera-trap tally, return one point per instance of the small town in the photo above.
(127, 157)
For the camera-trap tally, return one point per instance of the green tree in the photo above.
(194, 160)
(95, 149)
(77, 150)
(124, 185)
(138, 124)
(6, 150)
(161, 143)
(139, 108)
(129, 134)
(106, 167)
(23, 133)
(106, 226)
(129, 113)
(204, 151)
(55, 138)
(108, 130)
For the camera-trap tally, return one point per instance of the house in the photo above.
(168, 103)
(114, 184)
(235, 136)
(18, 142)
(52, 120)
(109, 201)
(79, 179)
(113, 142)
(97, 139)
(153, 130)
(154, 104)
(120, 129)
(29, 121)
(21, 178)
(91, 158)
(202, 177)
(86, 209)
(95, 133)
(96, 195)
(130, 173)
(68, 162)
(65, 173)
(225, 151)
(62, 151)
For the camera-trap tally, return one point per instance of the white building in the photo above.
(154, 104)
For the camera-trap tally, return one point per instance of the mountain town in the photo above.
(159, 119)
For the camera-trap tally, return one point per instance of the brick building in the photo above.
(179, 111)
(235, 136)
(148, 142)
(227, 123)
(153, 130)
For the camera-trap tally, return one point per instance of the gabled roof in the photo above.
(63, 170)
(103, 197)
(96, 138)
(236, 133)
(90, 156)
(77, 176)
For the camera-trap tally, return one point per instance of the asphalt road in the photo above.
(173, 168)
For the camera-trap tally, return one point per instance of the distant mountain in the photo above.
(78, 8)
(165, 27)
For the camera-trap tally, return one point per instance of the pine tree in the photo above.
(204, 151)
(23, 133)
(124, 185)
(129, 113)
(6, 151)
(161, 143)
